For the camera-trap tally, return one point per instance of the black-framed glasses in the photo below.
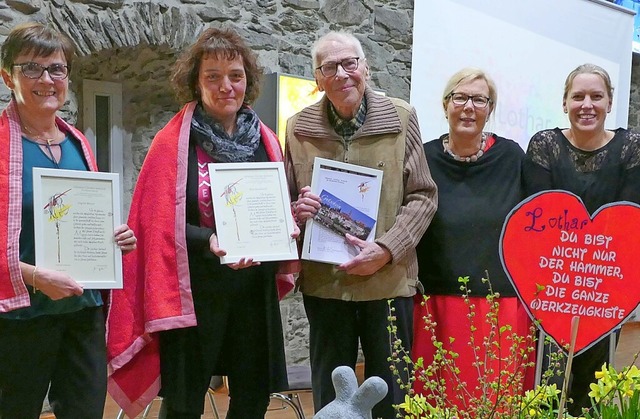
(349, 65)
(461, 99)
(33, 70)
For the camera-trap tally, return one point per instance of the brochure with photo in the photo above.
(341, 218)
(350, 196)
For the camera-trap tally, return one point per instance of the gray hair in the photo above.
(337, 36)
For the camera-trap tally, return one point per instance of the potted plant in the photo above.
(614, 395)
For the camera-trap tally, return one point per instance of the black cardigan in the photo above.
(473, 201)
(608, 174)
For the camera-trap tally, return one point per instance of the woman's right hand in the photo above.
(56, 285)
(216, 250)
(306, 206)
(214, 247)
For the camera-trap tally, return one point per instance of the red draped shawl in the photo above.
(157, 291)
(13, 293)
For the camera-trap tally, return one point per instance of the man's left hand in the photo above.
(125, 239)
(371, 258)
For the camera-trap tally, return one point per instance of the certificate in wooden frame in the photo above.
(75, 214)
(252, 211)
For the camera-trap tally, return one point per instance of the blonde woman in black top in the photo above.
(599, 165)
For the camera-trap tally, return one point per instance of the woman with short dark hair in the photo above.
(51, 338)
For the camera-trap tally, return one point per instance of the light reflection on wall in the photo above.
(294, 94)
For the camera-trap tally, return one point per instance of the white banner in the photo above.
(528, 47)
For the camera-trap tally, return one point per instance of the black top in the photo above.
(473, 201)
(218, 292)
(608, 174)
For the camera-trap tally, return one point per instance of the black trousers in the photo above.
(247, 376)
(231, 339)
(66, 351)
(583, 369)
(336, 326)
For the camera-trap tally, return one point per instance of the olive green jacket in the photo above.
(389, 140)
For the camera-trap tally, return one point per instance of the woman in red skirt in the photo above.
(478, 174)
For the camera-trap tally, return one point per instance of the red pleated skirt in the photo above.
(453, 328)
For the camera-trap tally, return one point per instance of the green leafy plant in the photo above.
(500, 376)
(616, 395)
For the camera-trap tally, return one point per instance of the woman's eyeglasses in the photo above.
(33, 70)
(461, 99)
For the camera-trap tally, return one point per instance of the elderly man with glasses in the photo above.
(348, 303)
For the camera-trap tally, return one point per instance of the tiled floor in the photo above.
(628, 347)
(277, 410)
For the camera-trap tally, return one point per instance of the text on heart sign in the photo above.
(564, 262)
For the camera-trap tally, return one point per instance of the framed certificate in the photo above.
(252, 211)
(75, 214)
(349, 199)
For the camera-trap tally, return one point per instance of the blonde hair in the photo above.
(588, 69)
(465, 75)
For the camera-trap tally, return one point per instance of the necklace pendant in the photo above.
(40, 138)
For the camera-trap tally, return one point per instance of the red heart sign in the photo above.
(564, 263)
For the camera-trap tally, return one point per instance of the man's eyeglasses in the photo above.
(349, 65)
(33, 70)
(460, 99)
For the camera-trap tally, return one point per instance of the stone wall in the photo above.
(634, 96)
(136, 42)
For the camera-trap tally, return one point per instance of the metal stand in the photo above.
(145, 413)
(613, 342)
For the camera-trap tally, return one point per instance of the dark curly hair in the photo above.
(222, 43)
(36, 38)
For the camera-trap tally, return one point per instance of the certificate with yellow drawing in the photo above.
(75, 214)
(252, 211)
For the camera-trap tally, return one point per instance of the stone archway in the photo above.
(94, 29)
(148, 100)
(135, 46)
